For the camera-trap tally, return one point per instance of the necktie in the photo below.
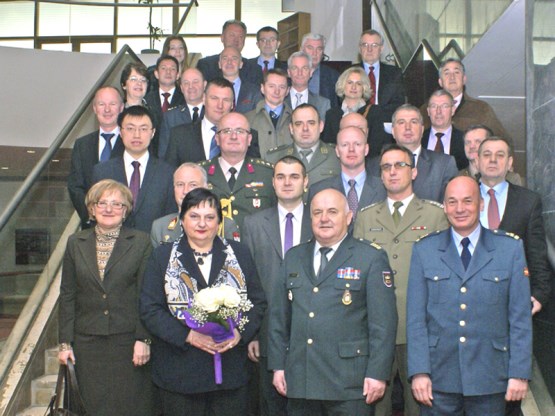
(352, 197)
(265, 69)
(493, 211)
(439, 144)
(288, 240)
(304, 156)
(105, 155)
(232, 179)
(299, 97)
(274, 117)
(465, 253)
(135, 183)
(372, 78)
(323, 260)
(166, 103)
(396, 213)
(195, 114)
(214, 148)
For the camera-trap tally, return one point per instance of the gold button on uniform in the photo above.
(315, 290)
(232, 197)
(436, 278)
(104, 296)
(496, 279)
(106, 312)
(463, 289)
(311, 314)
(462, 323)
(309, 341)
(463, 306)
(462, 339)
(235, 212)
(348, 285)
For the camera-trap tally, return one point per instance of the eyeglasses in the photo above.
(366, 45)
(133, 129)
(238, 131)
(440, 106)
(398, 165)
(138, 80)
(116, 206)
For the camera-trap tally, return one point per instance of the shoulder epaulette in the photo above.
(370, 206)
(506, 234)
(426, 235)
(370, 243)
(205, 162)
(434, 203)
(279, 148)
(261, 162)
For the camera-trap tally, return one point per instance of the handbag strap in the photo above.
(72, 395)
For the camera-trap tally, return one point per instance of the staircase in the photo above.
(42, 388)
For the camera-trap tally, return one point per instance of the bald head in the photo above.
(330, 216)
(354, 120)
(462, 204)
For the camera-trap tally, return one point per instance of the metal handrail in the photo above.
(62, 136)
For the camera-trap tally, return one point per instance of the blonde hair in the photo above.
(110, 186)
(342, 82)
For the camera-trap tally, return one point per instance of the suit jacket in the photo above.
(210, 69)
(456, 148)
(377, 137)
(434, 171)
(249, 96)
(176, 116)
(375, 223)
(186, 145)
(322, 104)
(328, 79)
(326, 345)
(176, 365)
(84, 298)
(262, 236)
(472, 349)
(523, 217)
(83, 158)
(259, 75)
(323, 164)
(472, 111)
(154, 104)
(270, 136)
(156, 197)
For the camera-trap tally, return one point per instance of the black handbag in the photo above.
(72, 401)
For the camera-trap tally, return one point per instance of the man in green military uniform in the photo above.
(244, 185)
(319, 158)
(395, 224)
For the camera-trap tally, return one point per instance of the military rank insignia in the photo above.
(387, 280)
(347, 299)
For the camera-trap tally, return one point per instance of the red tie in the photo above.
(135, 183)
(493, 211)
(166, 103)
(372, 78)
(439, 145)
(265, 69)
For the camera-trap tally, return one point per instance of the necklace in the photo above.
(200, 256)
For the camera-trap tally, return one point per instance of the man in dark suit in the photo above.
(332, 318)
(386, 80)
(267, 40)
(517, 210)
(469, 326)
(233, 34)
(361, 189)
(443, 137)
(269, 234)
(299, 68)
(434, 169)
(192, 85)
(323, 78)
(168, 95)
(150, 179)
(246, 93)
(93, 148)
(197, 141)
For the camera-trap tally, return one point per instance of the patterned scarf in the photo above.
(180, 286)
(105, 242)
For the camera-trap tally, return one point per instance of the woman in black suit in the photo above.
(353, 88)
(99, 326)
(182, 358)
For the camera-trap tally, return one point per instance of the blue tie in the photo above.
(214, 148)
(465, 253)
(105, 155)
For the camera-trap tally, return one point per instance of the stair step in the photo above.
(42, 389)
(33, 411)
(51, 363)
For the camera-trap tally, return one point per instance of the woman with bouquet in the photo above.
(183, 358)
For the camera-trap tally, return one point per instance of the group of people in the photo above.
(367, 255)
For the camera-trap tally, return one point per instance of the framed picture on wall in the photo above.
(287, 5)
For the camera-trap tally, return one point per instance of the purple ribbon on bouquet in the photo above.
(218, 333)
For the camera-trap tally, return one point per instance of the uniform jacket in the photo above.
(166, 229)
(176, 116)
(469, 330)
(434, 171)
(156, 197)
(253, 190)
(325, 346)
(321, 103)
(83, 158)
(186, 145)
(249, 96)
(176, 365)
(262, 237)
(375, 223)
(270, 137)
(456, 148)
(523, 217)
(323, 164)
(90, 306)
